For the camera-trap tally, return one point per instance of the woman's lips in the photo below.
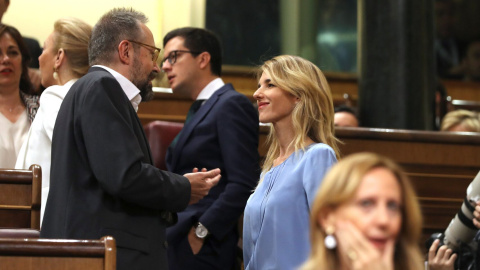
(379, 243)
(261, 105)
(6, 71)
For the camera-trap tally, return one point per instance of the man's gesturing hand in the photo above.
(201, 183)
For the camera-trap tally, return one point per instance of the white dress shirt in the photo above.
(211, 88)
(132, 92)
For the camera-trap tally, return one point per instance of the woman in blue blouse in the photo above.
(294, 97)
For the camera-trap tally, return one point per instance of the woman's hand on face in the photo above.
(358, 253)
(441, 259)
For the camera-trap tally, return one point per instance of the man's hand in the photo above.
(443, 259)
(476, 216)
(201, 183)
(195, 243)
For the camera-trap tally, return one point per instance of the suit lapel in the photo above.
(199, 116)
(137, 125)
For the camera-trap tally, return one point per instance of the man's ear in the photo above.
(125, 52)
(204, 59)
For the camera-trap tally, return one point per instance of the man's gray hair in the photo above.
(113, 27)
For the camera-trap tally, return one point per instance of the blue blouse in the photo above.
(276, 220)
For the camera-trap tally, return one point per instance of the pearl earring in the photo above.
(55, 74)
(330, 240)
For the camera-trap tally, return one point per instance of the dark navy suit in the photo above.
(222, 134)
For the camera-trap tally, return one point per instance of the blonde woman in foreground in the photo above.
(293, 95)
(365, 216)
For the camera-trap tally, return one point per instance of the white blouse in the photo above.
(12, 136)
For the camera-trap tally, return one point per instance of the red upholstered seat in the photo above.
(160, 134)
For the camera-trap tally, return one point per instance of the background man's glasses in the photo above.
(156, 51)
(172, 56)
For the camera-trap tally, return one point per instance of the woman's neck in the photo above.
(65, 77)
(11, 105)
(285, 134)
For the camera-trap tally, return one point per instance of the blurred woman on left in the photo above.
(17, 104)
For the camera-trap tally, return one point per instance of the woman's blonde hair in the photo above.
(72, 35)
(313, 114)
(469, 120)
(339, 186)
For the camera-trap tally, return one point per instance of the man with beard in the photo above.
(102, 178)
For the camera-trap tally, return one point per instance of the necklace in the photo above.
(13, 109)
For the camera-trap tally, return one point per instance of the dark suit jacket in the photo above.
(102, 178)
(224, 134)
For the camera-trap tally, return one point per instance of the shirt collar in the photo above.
(127, 86)
(211, 88)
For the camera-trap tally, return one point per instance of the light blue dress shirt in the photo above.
(276, 221)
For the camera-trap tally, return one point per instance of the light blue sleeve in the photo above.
(318, 161)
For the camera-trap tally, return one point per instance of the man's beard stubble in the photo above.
(144, 85)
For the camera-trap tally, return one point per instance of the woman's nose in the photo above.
(4, 57)
(383, 215)
(257, 94)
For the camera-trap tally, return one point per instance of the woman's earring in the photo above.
(55, 74)
(330, 241)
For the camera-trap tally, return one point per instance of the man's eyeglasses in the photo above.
(172, 56)
(156, 51)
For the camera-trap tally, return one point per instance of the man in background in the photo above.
(221, 131)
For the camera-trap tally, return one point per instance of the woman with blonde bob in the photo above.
(461, 120)
(294, 97)
(365, 216)
(64, 59)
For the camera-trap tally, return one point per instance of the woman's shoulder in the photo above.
(56, 92)
(318, 153)
(319, 148)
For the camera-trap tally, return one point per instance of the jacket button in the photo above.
(165, 244)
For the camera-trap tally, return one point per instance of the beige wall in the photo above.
(35, 18)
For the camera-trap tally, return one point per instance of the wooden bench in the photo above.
(20, 194)
(56, 254)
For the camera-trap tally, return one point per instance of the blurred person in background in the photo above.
(18, 106)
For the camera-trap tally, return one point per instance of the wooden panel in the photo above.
(50, 263)
(462, 90)
(344, 83)
(20, 194)
(15, 218)
(440, 165)
(53, 254)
